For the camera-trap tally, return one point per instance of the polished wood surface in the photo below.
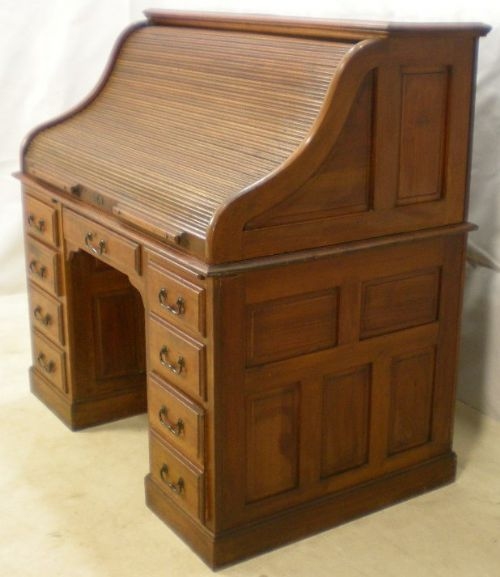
(254, 229)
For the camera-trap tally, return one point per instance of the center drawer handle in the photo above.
(177, 368)
(44, 319)
(97, 250)
(177, 428)
(40, 271)
(47, 366)
(40, 225)
(175, 487)
(178, 309)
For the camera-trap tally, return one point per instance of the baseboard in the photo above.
(91, 412)
(298, 522)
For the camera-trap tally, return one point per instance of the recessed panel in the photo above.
(345, 421)
(272, 447)
(288, 327)
(423, 126)
(412, 385)
(400, 302)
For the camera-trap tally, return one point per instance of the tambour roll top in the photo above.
(235, 141)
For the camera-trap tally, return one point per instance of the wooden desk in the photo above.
(255, 229)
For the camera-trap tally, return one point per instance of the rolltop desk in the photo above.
(254, 229)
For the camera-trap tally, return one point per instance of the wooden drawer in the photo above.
(176, 419)
(178, 478)
(49, 361)
(41, 220)
(43, 266)
(101, 242)
(177, 357)
(46, 315)
(177, 300)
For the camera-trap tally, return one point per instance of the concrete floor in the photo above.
(72, 504)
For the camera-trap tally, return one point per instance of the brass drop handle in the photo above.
(178, 309)
(99, 249)
(32, 222)
(176, 368)
(175, 487)
(47, 366)
(176, 429)
(39, 316)
(40, 271)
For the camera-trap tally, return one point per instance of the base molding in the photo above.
(239, 543)
(91, 412)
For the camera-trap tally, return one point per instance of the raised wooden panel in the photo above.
(345, 421)
(412, 385)
(118, 333)
(423, 126)
(342, 183)
(272, 442)
(291, 326)
(108, 329)
(395, 303)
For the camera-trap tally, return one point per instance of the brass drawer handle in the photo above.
(175, 487)
(99, 249)
(39, 316)
(40, 271)
(176, 429)
(177, 309)
(47, 366)
(173, 368)
(40, 225)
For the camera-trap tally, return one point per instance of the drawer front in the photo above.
(43, 266)
(49, 361)
(177, 477)
(177, 300)
(41, 220)
(177, 358)
(176, 419)
(101, 242)
(46, 315)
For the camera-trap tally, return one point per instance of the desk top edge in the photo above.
(308, 27)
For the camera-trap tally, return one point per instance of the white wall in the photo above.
(53, 51)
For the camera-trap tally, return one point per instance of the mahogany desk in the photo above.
(255, 229)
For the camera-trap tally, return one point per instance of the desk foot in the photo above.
(90, 412)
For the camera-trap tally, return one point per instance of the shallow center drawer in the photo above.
(101, 242)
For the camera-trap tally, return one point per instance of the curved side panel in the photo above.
(90, 98)
(225, 233)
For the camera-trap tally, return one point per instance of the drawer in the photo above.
(176, 357)
(176, 419)
(177, 300)
(41, 220)
(101, 242)
(178, 478)
(46, 315)
(43, 266)
(49, 361)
